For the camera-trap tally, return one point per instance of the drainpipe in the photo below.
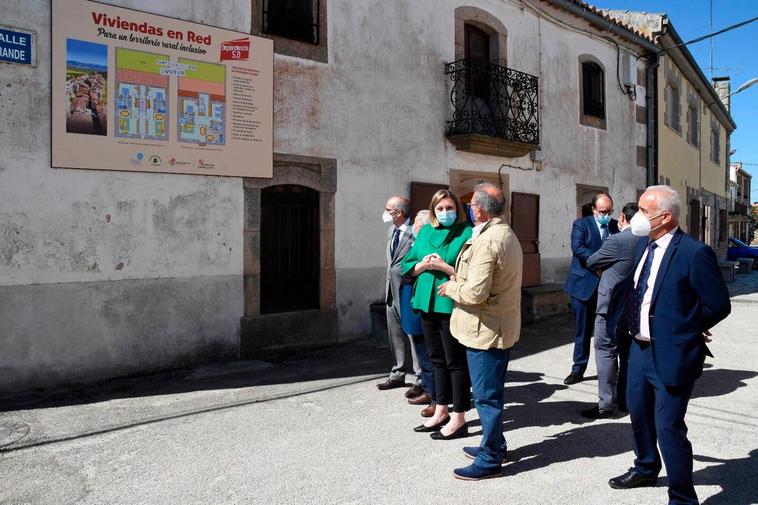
(651, 125)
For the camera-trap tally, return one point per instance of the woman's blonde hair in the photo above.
(440, 195)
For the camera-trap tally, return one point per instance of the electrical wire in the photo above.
(698, 39)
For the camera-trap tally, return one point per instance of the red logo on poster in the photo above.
(235, 49)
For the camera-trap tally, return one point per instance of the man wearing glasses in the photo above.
(587, 235)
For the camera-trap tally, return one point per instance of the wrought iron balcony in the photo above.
(495, 109)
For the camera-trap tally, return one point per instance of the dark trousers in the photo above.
(487, 369)
(451, 379)
(657, 414)
(584, 319)
(427, 368)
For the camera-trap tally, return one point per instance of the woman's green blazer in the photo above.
(447, 242)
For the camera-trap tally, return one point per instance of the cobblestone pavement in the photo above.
(314, 429)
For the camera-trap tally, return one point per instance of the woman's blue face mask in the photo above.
(445, 217)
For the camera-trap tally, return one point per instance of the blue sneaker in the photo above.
(473, 472)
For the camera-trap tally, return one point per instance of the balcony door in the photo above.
(480, 103)
(477, 44)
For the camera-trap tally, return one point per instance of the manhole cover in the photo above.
(11, 432)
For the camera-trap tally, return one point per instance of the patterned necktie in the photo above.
(639, 291)
(603, 232)
(395, 241)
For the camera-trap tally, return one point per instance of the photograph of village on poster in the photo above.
(140, 92)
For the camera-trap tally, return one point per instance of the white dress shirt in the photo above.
(476, 230)
(403, 226)
(658, 253)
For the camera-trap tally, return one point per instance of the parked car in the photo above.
(739, 249)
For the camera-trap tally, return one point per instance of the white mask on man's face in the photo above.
(387, 217)
(640, 224)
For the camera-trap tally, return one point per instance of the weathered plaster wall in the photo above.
(379, 107)
(89, 247)
(108, 273)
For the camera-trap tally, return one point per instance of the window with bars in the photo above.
(693, 126)
(593, 90)
(715, 146)
(293, 19)
(672, 117)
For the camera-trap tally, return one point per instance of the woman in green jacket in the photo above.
(431, 261)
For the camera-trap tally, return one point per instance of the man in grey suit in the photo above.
(399, 242)
(615, 259)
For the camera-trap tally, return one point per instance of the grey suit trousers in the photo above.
(405, 362)
(606, 360)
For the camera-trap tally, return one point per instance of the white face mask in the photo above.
(641, 224)
(386, 217)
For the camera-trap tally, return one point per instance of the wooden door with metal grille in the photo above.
(525, 221)
(694, 219)
(289, 249)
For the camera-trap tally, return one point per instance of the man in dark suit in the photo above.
(678, 295)
(399, 242)
(615, 259)
(587, 235)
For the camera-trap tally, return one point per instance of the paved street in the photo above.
(314, 429)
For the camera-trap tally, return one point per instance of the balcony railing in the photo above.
(496, 102)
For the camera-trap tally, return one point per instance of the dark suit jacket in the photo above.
(581, 283)
(394, 272)
(689, 297)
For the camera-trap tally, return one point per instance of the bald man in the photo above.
(587, 235)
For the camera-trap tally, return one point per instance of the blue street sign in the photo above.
(15, 47)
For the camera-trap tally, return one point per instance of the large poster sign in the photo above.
(140, 92)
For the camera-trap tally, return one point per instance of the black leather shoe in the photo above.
(631, 479)
(390, 384)
(596, 413)
(573, 378)
(426, 429)
(459, 433)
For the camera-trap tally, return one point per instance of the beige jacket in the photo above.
(487, 289)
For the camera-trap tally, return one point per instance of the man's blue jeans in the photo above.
(425, 362)
(487, 369)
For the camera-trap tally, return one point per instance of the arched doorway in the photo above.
(290, 249)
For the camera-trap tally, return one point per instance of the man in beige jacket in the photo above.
(486, 319)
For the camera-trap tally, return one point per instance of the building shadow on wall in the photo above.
(362, 361)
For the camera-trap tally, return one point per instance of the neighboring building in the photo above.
(739, 203)
(693, 129)
(111, 273)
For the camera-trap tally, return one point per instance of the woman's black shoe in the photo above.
(427, 429)
(459, 433)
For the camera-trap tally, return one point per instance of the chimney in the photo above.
(723, 88)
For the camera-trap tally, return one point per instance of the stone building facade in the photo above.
(693, 129)
(740, 222)
(111, 273)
